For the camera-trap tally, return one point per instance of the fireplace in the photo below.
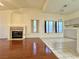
(17, 34)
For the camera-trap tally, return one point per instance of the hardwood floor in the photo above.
(25, 49)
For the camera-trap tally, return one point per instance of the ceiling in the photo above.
(50, 6)
(62, 6)
(12, 4)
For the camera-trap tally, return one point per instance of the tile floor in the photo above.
(57, 46)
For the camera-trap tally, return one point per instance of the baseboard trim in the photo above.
(33, 38)
(3, 38)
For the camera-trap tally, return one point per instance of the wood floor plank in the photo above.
(25, 49)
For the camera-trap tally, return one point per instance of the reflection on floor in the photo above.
(25, 49)
(62, 51)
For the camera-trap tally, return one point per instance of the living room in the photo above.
(26, 25)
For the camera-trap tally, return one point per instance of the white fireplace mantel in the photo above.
(16, 26)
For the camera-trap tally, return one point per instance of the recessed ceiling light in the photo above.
(1, 4)
(65, 5)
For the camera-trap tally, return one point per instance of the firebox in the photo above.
(17, 34)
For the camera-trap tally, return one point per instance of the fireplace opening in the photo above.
(17, 34)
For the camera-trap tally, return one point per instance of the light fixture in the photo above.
(1, 4)
(65, 5)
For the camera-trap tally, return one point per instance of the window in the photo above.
(58, 26)
(34, 26)
(48, 26)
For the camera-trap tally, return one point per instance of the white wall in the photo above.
(4, 22)
(72, 21)
(73, 15)
(24, 17)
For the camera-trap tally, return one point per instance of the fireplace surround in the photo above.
(17, 32)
